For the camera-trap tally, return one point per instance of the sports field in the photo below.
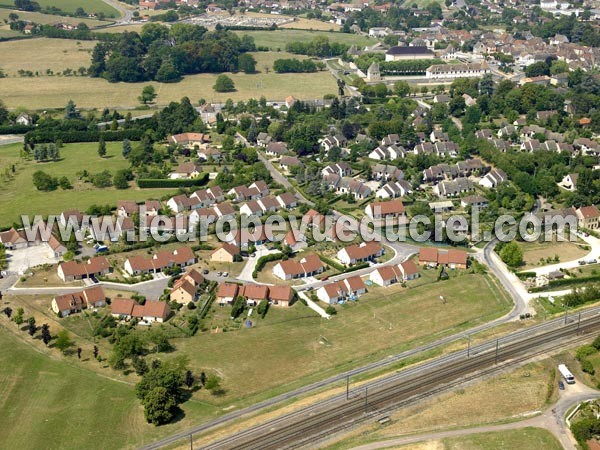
(19, 196)
(54, 91)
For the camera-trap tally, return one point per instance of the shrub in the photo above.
(587, 366)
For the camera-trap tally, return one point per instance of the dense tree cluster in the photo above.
(319, 46)
(293, 65)
(165, 54)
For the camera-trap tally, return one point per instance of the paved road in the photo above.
(11, 139)
(126, 13)
(248, 269)
(553, 420)
(277, 176)
(152, 289)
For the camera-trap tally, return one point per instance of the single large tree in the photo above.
(148, 95)
(101, 147)
(224, 84)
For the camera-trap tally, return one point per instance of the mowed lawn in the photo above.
(277, 39)
(54, 92)
(294, 346)
(70, 6)
(19, 196)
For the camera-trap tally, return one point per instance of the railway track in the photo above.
(316, 422)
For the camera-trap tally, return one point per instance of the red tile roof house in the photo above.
(409, 270)
(254, 293)
(340, 290)
(127, 208)
(186, 288)
(452, 258)
(383, 210)
(588, 217)
(151, 311)
(281, 296)
(94, 267)
(386, 276)
(181, 257)
(67, 304)
(186, 170)
(365, 251)
(13, 239)
(189, 140)
(306, 267)
(227, 293)
(56, 247)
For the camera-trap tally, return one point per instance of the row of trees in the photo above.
(319, 46)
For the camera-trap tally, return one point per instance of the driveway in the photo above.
(246, 273)
(21, 260)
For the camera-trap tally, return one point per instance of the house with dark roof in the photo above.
(398, 53)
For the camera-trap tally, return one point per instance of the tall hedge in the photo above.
(42, 136)
(151, 183)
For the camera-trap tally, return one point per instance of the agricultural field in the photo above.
(55, 91)
(70, 6)
(276, 40)
(40, 54)
(19, 196)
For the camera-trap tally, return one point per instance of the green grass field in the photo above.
(54, 91)
(277, 39)
(49, 403)
(19, 196)
(55, 54)
(294, 346)
(520, 439)
(69, 6)
(49, 18)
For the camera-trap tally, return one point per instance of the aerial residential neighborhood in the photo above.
(300, 224)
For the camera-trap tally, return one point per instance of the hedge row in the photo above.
(330, 262)
(15, 129)
(42, 136)
(263, 260)
(525, 275)
(151, 183)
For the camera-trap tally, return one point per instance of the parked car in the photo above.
(581, 262)
(204, 271)
(324, 278)
(561, 385)
(225, 274)
(219, 274)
